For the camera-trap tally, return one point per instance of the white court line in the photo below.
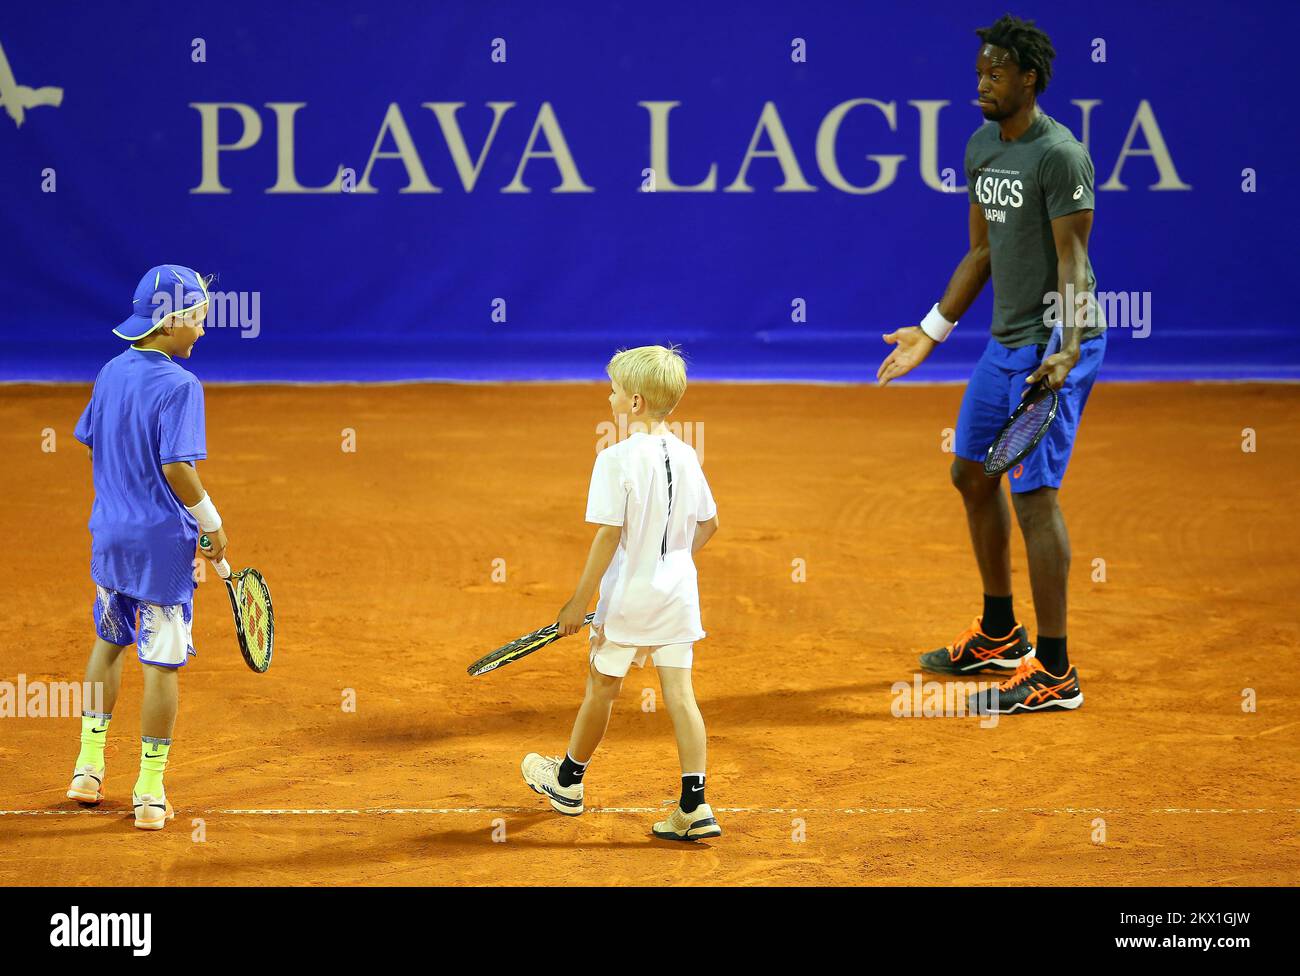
(461, 811)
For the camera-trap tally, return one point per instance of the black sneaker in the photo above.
(975, 651)
(1031, 689)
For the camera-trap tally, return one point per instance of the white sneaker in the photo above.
(152, 812)
(696, 825)
(87, 785)
(541, 773)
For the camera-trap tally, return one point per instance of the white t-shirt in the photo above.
(648, 596)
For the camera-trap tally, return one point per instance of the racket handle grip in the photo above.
(220, 565)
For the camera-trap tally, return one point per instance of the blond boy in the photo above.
(654, 510)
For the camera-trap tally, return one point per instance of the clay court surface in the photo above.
(381, 565)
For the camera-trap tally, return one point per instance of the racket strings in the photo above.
(1021, 432)
(255, 618)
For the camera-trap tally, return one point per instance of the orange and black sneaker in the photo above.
(975, 651)
(1031, 689)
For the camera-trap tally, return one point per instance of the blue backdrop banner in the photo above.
(394, 191)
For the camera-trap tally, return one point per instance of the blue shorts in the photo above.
(994, 392)
(162, 635)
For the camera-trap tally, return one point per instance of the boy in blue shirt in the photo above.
(144, 427)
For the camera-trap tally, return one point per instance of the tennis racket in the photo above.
(1022, 433)
(1026, 426)
(250, 602)
(520, 647)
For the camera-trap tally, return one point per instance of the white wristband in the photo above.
(206, 513)
(936, 326)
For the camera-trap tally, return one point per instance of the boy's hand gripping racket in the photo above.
(250, 602)
(520, 647)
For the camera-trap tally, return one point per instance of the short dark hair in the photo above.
(1028, 45)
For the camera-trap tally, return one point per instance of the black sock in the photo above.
(1051, 655)
(998, 619)
(692, 791)
(571, 772)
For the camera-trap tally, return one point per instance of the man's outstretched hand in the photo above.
(911, 346)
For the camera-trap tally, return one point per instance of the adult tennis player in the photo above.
(1031, 196)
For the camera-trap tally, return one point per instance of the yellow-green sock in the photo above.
(94, 734)
(153, 763)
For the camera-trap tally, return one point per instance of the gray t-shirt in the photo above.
(1022, 187)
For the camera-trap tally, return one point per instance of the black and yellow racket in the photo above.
(520, 647)
(250, 602)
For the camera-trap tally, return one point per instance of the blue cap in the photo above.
(164, 291)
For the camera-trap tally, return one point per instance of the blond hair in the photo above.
(658, 373)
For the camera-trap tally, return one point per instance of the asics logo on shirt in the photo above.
(1078, 191)
(999, 190)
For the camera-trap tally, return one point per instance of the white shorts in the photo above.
(615, 660)
(161, 634)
